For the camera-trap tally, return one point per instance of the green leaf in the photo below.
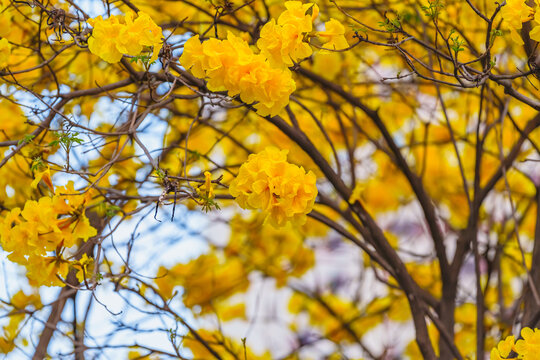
(26, 139)
(37, 163)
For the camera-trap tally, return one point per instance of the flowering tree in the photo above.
(258, 179)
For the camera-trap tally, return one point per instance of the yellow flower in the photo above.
(535, 32)
(48, 271)
(21, 301)
(333, 36)
(44, 175)
(84, 265)
(5, 53)
(193, 57)
(515, 13)
(81, 229)
(231, 65)
(506, 345)
(528, 348)
(118, 35)
(128, 39)
(282, 190)
(104, 38)
(495, 355)
(207, 188)
(48, 225)
(145, 32)
(263, 79)
(503, 349)
(300, 15)
(282, 45)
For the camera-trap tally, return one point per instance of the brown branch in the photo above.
(415, 182)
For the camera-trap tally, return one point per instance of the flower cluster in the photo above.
(37, 235)
(515, 13)
(282, 42)
(230, 65)
(5, 52)
(282, 190)
(119, 35)
(527, 348)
